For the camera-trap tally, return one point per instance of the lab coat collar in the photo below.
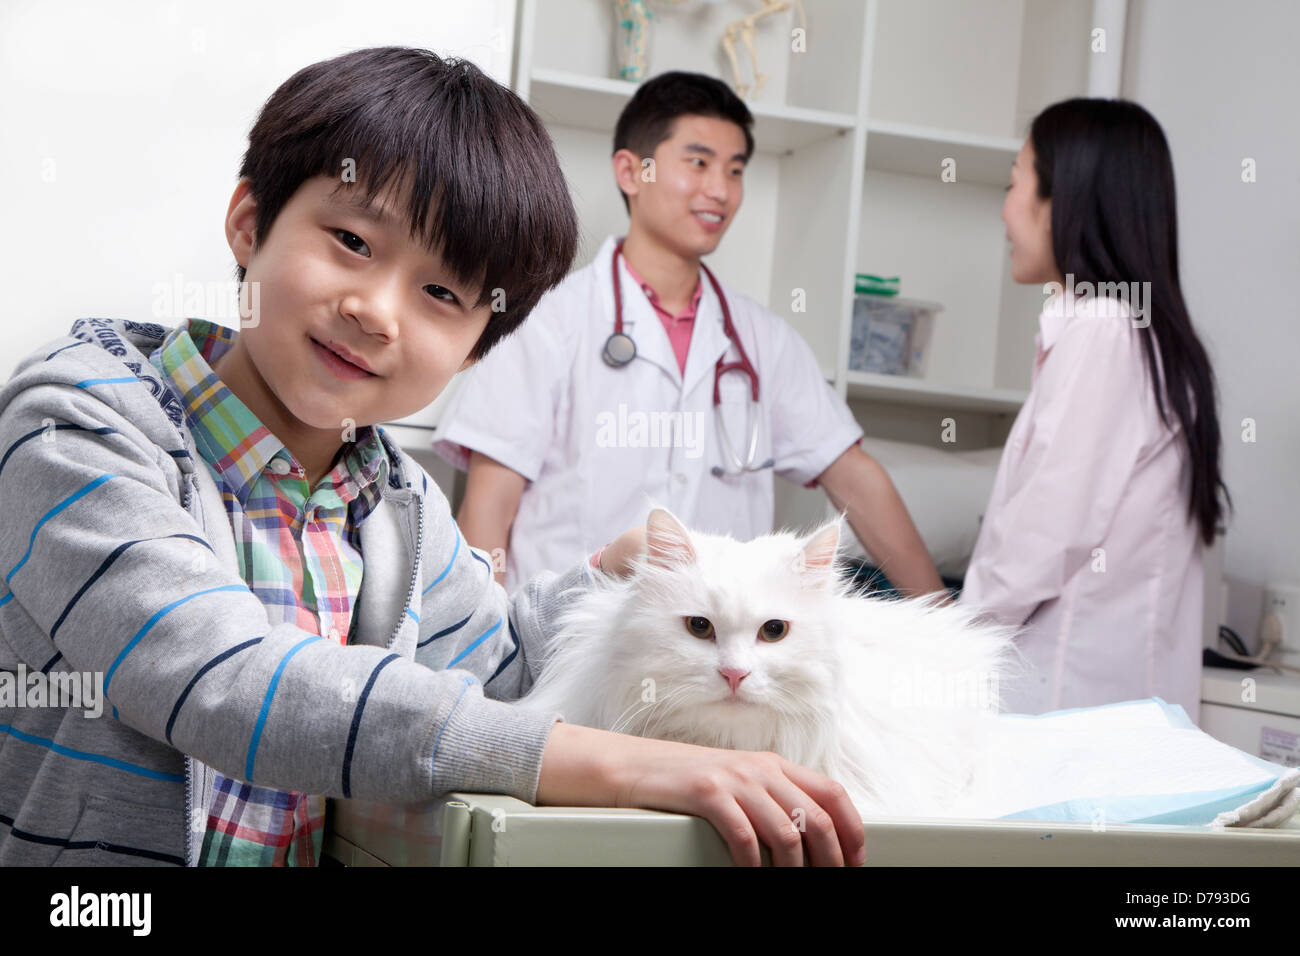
(639, 318)
(708, 341)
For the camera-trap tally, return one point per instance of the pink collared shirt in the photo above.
(1087, 540)
(678, 326)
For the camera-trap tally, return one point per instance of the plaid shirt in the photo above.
(300, 553)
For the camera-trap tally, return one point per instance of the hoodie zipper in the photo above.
(190, 488)
(415, 567)
(189, 813)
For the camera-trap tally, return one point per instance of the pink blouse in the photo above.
(1087, 540)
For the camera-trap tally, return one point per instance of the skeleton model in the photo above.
(634, 20)
(744, 29)
(633, 38)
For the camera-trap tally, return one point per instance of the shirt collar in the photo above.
(653, 296)
(1064, 306)
(232, 439)
(1052, 321)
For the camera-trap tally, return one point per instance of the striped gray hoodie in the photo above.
(119, 564)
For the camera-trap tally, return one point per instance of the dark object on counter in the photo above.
(1212, 658)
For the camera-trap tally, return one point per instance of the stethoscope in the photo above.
(620, 350)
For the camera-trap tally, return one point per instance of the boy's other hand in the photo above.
(748, 797)
(617, 556)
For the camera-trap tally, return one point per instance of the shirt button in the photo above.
(279, 466)
(681, 479)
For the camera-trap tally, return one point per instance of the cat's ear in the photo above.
(668, 543)
(816, 561)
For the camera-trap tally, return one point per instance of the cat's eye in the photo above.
(700, 627)
(774, 630)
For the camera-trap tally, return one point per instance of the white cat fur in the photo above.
(891, 698)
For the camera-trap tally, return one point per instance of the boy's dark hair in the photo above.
(647, 119)
(478, 172)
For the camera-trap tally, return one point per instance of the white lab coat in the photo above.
(601, 446)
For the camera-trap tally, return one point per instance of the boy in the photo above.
(187, 510)
(550, 473)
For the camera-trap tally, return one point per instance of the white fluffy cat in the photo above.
(760, 645)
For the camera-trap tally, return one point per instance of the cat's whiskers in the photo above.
(663, 710)
(659, 707)
(793, 702)
(625, 720)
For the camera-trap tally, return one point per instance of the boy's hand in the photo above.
(616, 558)
(748, 797)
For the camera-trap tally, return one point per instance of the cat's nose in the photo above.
(733, 676)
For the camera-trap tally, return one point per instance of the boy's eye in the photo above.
(700, 627)
(442, 292)
(349, 238)
(774, 630)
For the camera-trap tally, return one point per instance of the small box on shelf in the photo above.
(891, 335)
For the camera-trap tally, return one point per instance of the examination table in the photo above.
(492, 830)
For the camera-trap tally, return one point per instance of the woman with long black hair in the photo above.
(1109, 484)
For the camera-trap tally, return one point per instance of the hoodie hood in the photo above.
(132, 343)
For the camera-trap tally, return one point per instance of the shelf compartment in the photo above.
(593, 103)
(902, 390)
(919, 151)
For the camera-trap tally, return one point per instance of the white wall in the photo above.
(1222, 80)
(978, 45)
(123, 126)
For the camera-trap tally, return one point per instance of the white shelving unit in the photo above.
(920, 150)
(593, 103)
(852, 135)
(929, 394)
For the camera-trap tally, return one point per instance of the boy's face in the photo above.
(335, 279)
(697, 188)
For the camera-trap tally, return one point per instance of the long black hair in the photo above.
(1105, 164)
